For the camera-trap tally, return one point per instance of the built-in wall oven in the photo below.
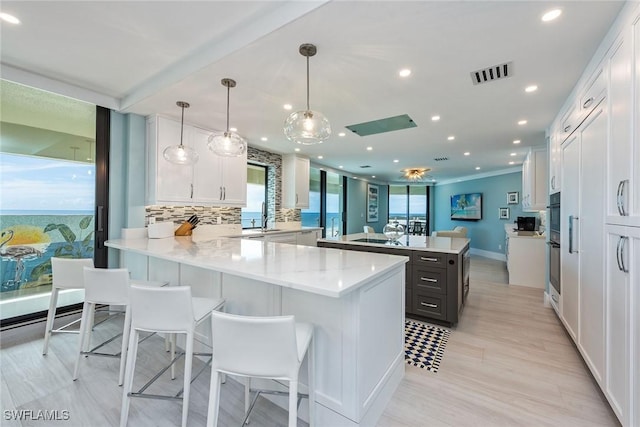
(554, 242)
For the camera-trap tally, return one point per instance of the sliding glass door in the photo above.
(408, 205)
(326, 202)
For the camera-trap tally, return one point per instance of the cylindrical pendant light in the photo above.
(228, 144)
(307, 127)
(181, 154)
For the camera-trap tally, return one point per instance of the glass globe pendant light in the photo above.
(307, 127)
(228, 144)
(181, 154)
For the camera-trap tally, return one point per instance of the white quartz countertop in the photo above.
(322, 271)
(451, 245)
(257, 231)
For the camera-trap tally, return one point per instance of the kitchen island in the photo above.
(437, 275)
(355, 301)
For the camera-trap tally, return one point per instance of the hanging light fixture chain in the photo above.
(228, 89)
(181, 125)
(308, 84)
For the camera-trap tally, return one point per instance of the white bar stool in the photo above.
(67, 274)
(261, 347)
(109, 287)
(169, 310)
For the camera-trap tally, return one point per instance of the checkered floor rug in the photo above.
(424, 345)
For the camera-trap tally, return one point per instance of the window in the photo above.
(311, 215)
(408, 204)
(251, 215)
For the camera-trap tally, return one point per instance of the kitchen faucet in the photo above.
(263, 223)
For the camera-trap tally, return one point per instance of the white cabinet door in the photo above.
(166, 182)
(593, 149)
(621, 162)
(534, 181)
(282, 238)
(554, 160)
(623, 276)
(218, 180)
(295, 181)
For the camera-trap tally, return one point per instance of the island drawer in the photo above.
(430, 305)
(429, 258)
(428, 279)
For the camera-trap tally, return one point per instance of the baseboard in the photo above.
(488, 254)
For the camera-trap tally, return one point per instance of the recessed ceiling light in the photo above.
(435, 118)
(477, 168)
(516, 141)
(341, 134)
(395, 160)
(233, 129)
(9, 18)
(373, 176)
(451, 138)
(512, 163)
(296, 149)
(512, 154)
(369, 148)
(341, 167)
(264, 138)
(531, 88)
(287, 106)
(467, 153)
(320, 157)
(522, 122)
(551, 15)
(405, 72)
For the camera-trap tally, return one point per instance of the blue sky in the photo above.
(40, 183)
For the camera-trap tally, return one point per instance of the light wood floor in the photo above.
(507, 363)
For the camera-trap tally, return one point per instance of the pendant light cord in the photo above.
(228, 89)
(308, 84)
(181, 126)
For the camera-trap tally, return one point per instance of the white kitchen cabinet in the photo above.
(308, 237)
(295, 181)
(167, 183)
(218, 180)
(555, 168)
(623, 284)
(526, 260)
(582, 237)
(290, 238)
(213, 181)
(534, 180)
(623, 200)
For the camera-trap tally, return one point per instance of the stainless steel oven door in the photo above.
(554, 265)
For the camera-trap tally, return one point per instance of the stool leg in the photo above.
(188, 361)
(214, 399)
(293, 402)
(51, 315)
(247, 396)
(92, 321)
(85, 324)
(172, 346)
(125, 341)
(312, 384)
(128, 377)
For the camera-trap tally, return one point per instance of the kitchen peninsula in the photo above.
(437, 275)
(353, 299)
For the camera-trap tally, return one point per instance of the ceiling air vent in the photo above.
(365, 166)
(441, 159)
(490, 74)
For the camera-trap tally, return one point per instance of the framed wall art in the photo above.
(372, 202)
(512, 198)
(503, 213)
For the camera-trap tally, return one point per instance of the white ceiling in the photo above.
(143, 56)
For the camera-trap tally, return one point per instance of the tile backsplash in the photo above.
(231, 215)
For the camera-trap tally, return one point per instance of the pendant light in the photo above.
(181, 154)
(228, 144)
(307, 127)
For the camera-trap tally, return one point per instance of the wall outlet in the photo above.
(219, 220)
(499, 246)
(152, 220)
(286, 219)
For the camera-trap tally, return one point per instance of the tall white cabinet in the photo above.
(295, 181)
(598, 168)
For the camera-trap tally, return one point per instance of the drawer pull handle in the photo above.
(426, 304)
(555, 299)
(567, 128)
(429, 259)
(587, 102)
(429, 279)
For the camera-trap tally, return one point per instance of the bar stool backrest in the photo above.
(166, 309)
(255, 346)
(67, 273)
(106, 286)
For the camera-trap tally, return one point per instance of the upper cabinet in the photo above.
(212, 181)
(534, 180)
(295, 181)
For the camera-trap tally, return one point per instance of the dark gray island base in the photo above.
(437, 274)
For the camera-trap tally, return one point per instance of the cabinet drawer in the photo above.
(593, 94)
(430, 305)
(430, 279)
(428, 258)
